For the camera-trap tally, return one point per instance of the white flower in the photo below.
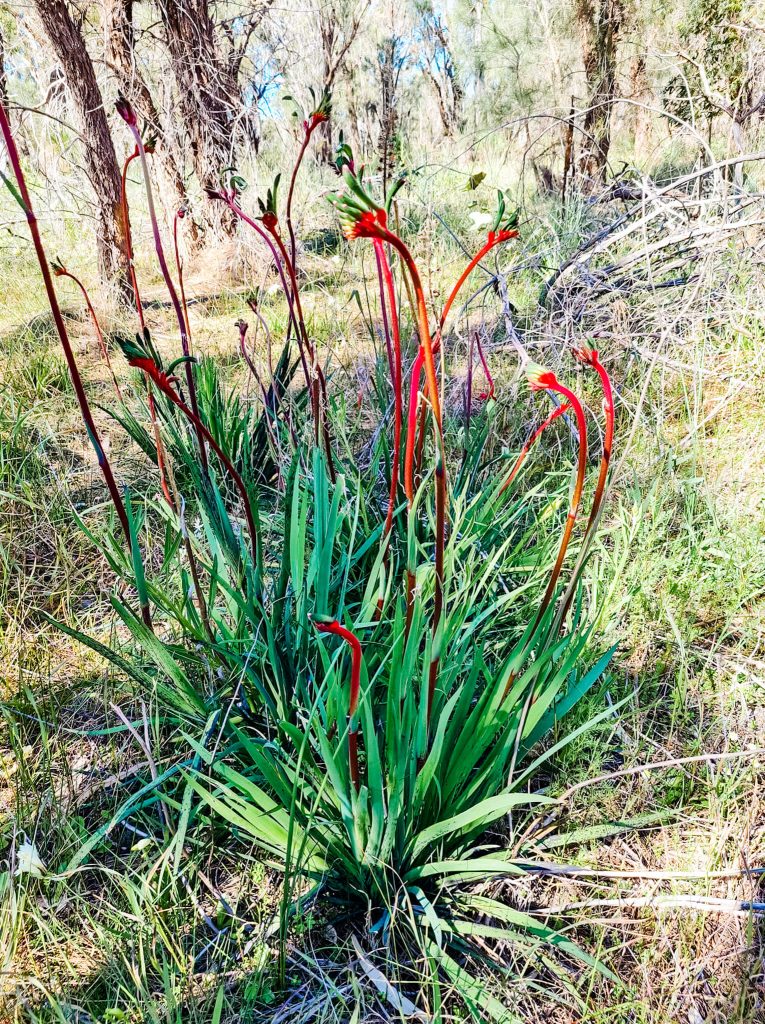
(28, 860)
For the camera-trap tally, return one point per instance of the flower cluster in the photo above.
(359, 214)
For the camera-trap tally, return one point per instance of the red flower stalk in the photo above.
(319, 115)
(559, 410)
(60, 271)
(499, 234)
(161, 457)
(129, 236)
(494, 239)
(179, 215)
(128, 115)
(589, 356)
(361, 217)
(485, 395)
(315, 381)
(386, 277)
(165, 385)
(336, 629)
(21, 194)
(544, 380)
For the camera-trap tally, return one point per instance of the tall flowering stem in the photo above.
(129, 235)
(361, 217)
(127, 114)
(335, 629)
(559, 410)
(60, 271)
(314, 375)
(143, 360)
(589, 356)
(545, 380)
(161, 456)
(21, 194)
(503, 230)
(396, 370)
(319, 115)
(230, 198)
(179, 216)
(318, 384)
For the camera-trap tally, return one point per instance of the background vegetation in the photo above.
(631, 139)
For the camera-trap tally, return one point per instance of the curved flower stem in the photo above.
(352, 640)
(486, 371)
(161, 457)
(387, 277)
(608, 440)
(494, 239)
(129, 237)
(559, 410)
(318, 388)
(171, 290)
(290, 193)
(590, 357)
(165, 386)
(96, 326)
(22, 195)
(179, 268)
(576, 495)
(435, 402)
(239, 212)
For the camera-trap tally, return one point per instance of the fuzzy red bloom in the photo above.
(318, 117)
(369, 224)
(160, 378)
(126, 112)
(540, 378)
(270, 220)
(585, 354)
(496, 237)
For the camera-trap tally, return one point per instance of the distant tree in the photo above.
(206, 57)
(3, 78)
(724, 73)
(391, 59)
(63, 29)
(438, 66)
(121, 55)
(339, 24)
(600, 23)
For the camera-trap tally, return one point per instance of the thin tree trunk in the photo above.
(209, 98)
(68, 45)
(121, 48)
(600, 22)
(3, 78)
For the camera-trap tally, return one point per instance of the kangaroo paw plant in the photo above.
(363, 651)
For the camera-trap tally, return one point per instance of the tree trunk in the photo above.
(209, 98)
(121, 48)
(68, 45)
(600, 22)
(3, 78)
